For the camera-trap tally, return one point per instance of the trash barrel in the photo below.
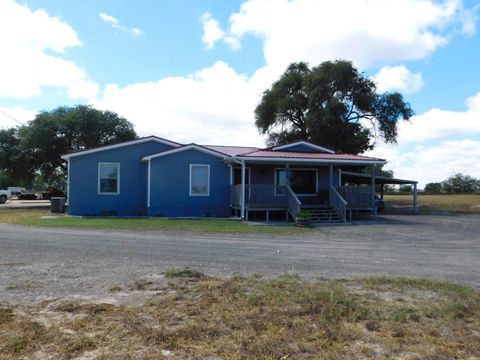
(57, 205)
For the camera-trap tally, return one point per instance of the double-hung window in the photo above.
(108, 178)
(199, 180)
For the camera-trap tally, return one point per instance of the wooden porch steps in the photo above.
(320, 215)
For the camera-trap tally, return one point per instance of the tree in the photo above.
(16, 163)
(405, 188)
(329, 105)
(460, 183)
(35, 148)
(433, 188)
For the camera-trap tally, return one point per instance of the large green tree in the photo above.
(460, 183)
(34, 150)
(332, 105)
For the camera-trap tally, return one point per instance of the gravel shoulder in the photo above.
(43, 263)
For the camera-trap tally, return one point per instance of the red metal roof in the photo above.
(302, 155)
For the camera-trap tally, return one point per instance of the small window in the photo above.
(199, 180)
(109, 178)
(280, 181)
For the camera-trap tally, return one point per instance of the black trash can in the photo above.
(57, 205)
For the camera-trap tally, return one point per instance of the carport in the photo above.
(373, 180)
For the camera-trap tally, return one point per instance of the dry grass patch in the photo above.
(452, 203)
(198, 317)
(17, 216)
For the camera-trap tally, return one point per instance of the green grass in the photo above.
(35, 218)
(183, 273)
(458, 203)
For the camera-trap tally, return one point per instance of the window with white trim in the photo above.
(199, 180)
(109, 178)
(302, 181)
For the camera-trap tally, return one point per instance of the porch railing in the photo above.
(357, 197)
(294, 204)
(258, 196)
(338, 203)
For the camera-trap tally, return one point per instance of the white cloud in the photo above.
(211, 30)
(115, 23)
(398, 78)
(432, 163)
(364, 31)
(31, 54)
(438, 124)
(11, 117)
(108, 18)
(426, 147)
(213, 33)
(212, 106)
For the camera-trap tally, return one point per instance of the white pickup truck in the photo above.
(4, 196)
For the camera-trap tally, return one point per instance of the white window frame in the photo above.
(118, 179)
(294, 169)
(190, 180)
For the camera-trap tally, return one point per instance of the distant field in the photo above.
(451, 203)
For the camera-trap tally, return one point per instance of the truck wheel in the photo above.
(3, 199)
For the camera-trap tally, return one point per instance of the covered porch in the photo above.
(294, 187)
(378, 183)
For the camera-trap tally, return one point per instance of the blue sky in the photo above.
(193, 70)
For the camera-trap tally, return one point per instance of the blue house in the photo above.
(152, 176)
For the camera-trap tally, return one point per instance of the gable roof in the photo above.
(248, 153)
(185, 148)
(304, 143)
(232, 150)
(119, 145)
(269, 155)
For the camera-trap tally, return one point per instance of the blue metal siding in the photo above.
(169, 192)
(83, 197)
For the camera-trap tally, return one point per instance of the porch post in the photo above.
(287, 174)
(415, 205)
(373, 192)
(243, 191)
(149, 170)
(231, 174)
(331, 176)
(339, 177)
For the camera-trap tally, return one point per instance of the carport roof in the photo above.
(366, 179)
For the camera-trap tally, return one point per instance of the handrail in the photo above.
(338, 203)
(294, 204)
(258, 196)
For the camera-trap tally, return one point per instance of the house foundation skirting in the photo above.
(267, 211)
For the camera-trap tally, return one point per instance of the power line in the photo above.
(11, 117)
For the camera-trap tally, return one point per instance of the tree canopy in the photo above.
(34, 150)
(332, 105)
(455, 184)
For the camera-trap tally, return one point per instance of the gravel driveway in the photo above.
(39, 263)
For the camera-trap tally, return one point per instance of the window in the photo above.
(109, 178)
(199, 180)
(302, 181)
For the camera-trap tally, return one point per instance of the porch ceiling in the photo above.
(357, 178)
